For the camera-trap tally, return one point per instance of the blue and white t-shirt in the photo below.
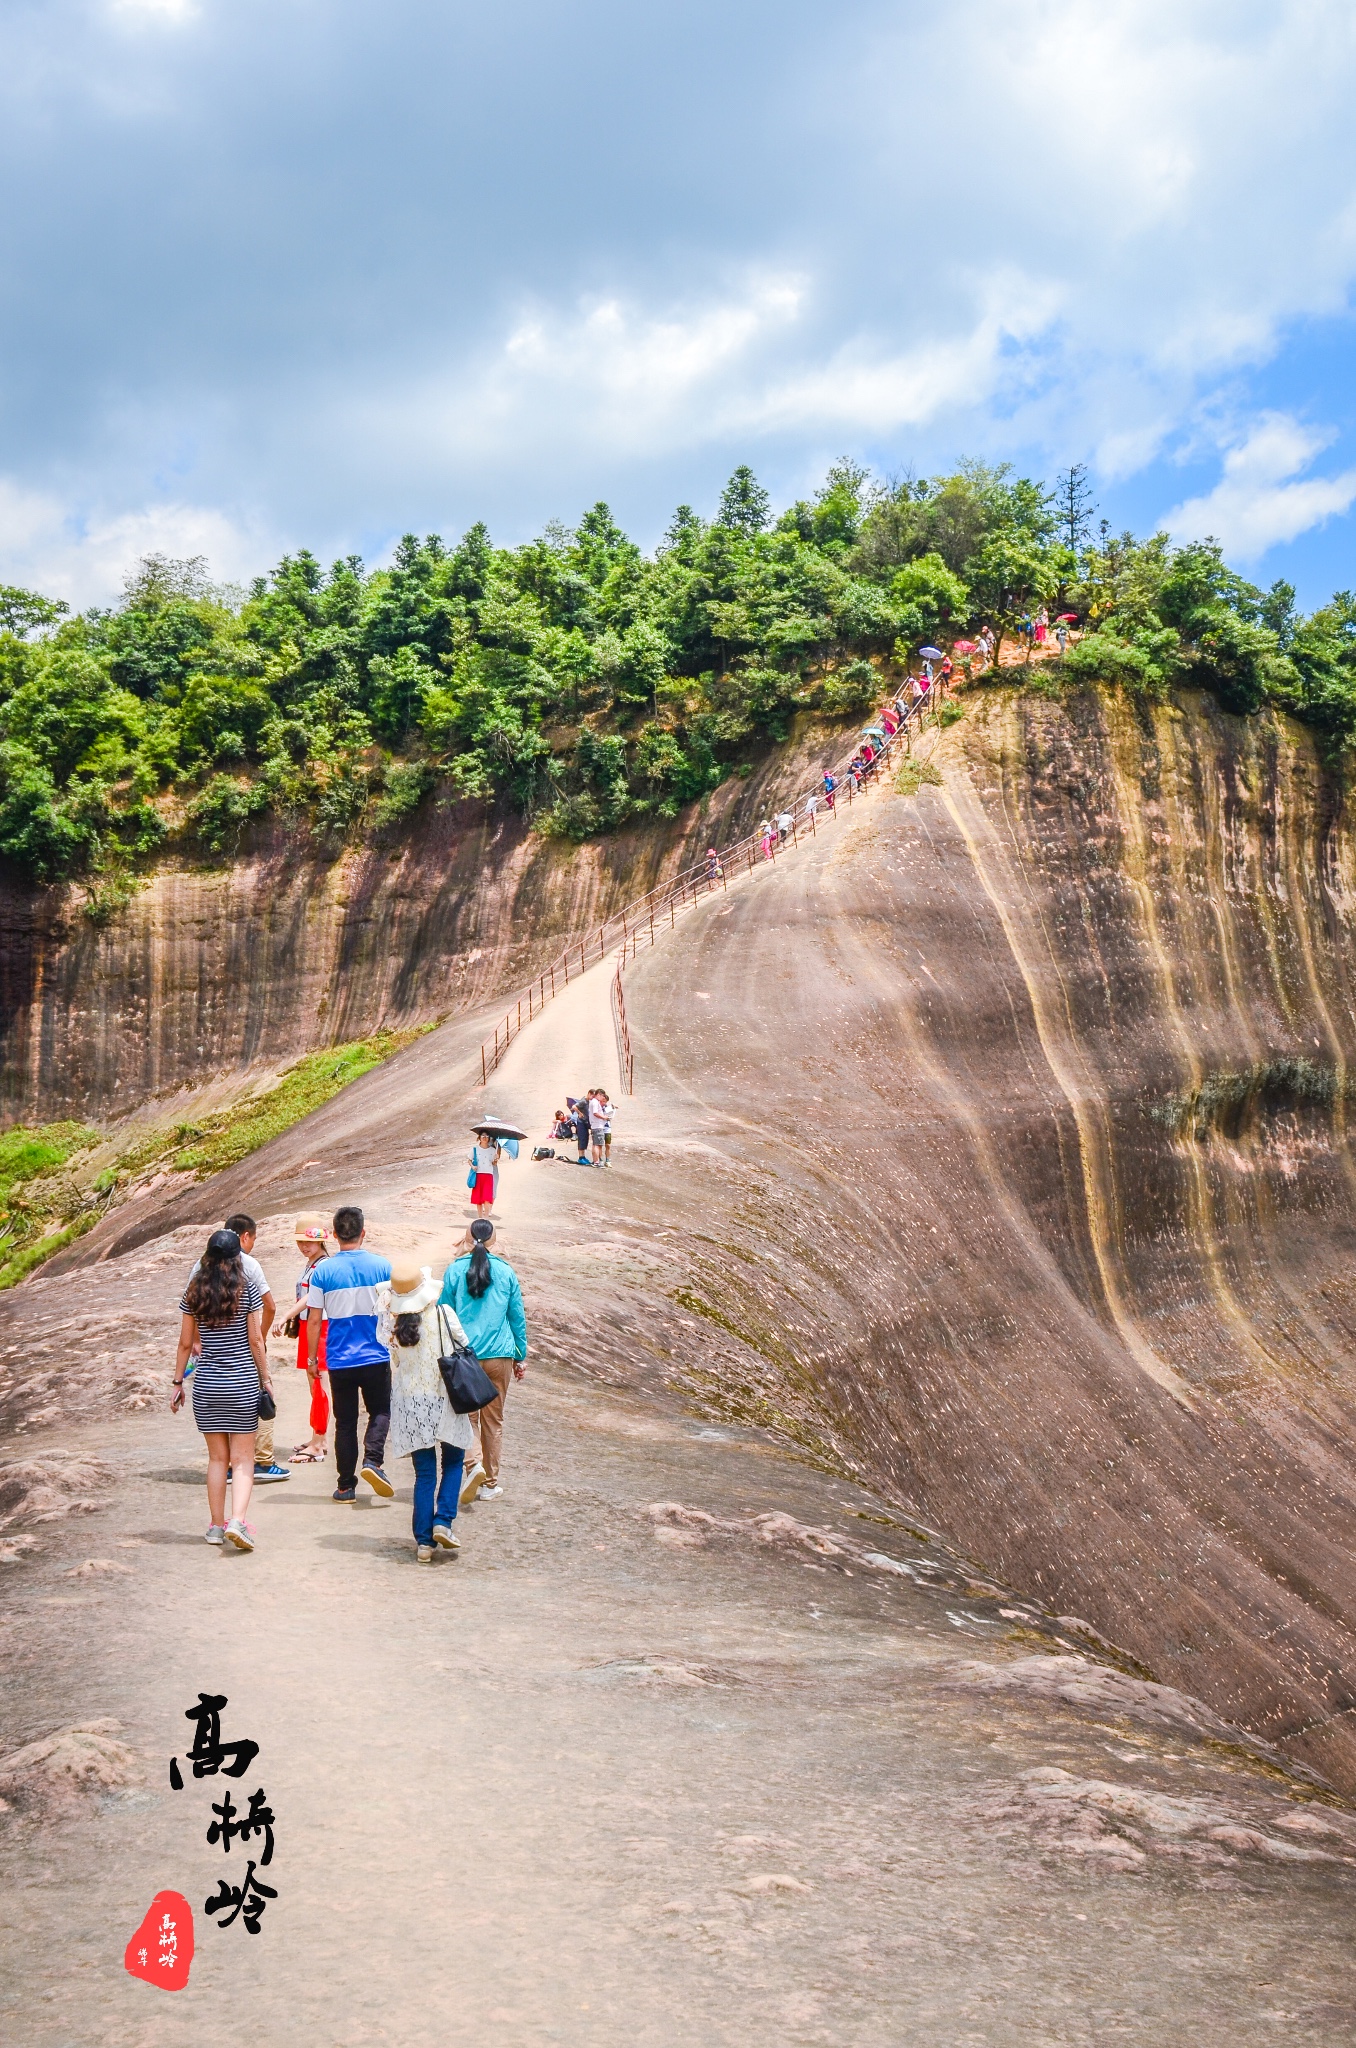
(345, 1287)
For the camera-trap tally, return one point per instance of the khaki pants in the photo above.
(263, 1443)
(488, 1425)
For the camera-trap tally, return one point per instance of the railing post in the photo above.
(484, 1077)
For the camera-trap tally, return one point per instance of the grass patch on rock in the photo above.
(225, 1139)
(58, 1180)
(912, 774)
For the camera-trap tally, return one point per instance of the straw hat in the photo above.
(413, 1288)
(311, 1230)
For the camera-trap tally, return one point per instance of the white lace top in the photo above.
(421, 1414)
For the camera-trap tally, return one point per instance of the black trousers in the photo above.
(373, 1382)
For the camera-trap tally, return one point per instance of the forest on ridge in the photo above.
(579, 678)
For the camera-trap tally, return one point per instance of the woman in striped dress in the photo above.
(221, 1311)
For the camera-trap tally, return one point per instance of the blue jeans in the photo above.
(444, 1510)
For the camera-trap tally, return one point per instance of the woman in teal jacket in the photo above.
(483, 1290)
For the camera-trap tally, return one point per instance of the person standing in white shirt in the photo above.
(600, 1126)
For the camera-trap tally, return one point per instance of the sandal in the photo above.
(306, 1456)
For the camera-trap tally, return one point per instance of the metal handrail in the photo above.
(634, 919)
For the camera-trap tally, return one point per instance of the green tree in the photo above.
(936, 596)
(1010, 575)
(744, 504)
(23, 611)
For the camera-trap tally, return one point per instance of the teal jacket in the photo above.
(495, 1325)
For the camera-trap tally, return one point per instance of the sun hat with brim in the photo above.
(311, 1230)
(413, 1288)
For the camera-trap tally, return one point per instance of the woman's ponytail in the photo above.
(478, 1273)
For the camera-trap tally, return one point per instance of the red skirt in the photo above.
(320, 1400)
(483, 1191)
(303, 1345)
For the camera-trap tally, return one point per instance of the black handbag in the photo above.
(268, 1407)
(469, 1386)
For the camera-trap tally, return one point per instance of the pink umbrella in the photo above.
(1066, 618)
(964, 647)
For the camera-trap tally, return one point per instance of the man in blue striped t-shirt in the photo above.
(343, 1294)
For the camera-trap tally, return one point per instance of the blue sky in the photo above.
(312, 272)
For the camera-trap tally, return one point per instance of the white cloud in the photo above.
(152, 10)
(756, 365)
(1262, 497)
(863, 392)
(82, 557)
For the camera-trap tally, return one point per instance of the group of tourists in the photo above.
(587, 1119)
(917, 693)
(380, 1330)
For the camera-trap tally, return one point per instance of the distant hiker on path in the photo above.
(785, 822)
(424, 1425)
(342, 1293)
(714, 871)
(220, 1311)
(483, 1292)
(600, 1126)
(313, 1244)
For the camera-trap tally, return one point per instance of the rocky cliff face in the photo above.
(293, 947)
(1049, 1208)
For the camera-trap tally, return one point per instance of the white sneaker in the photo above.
(471, 1484)
(491, 1493)
(216, 1535)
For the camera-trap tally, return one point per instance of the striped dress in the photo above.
(226, 1382)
